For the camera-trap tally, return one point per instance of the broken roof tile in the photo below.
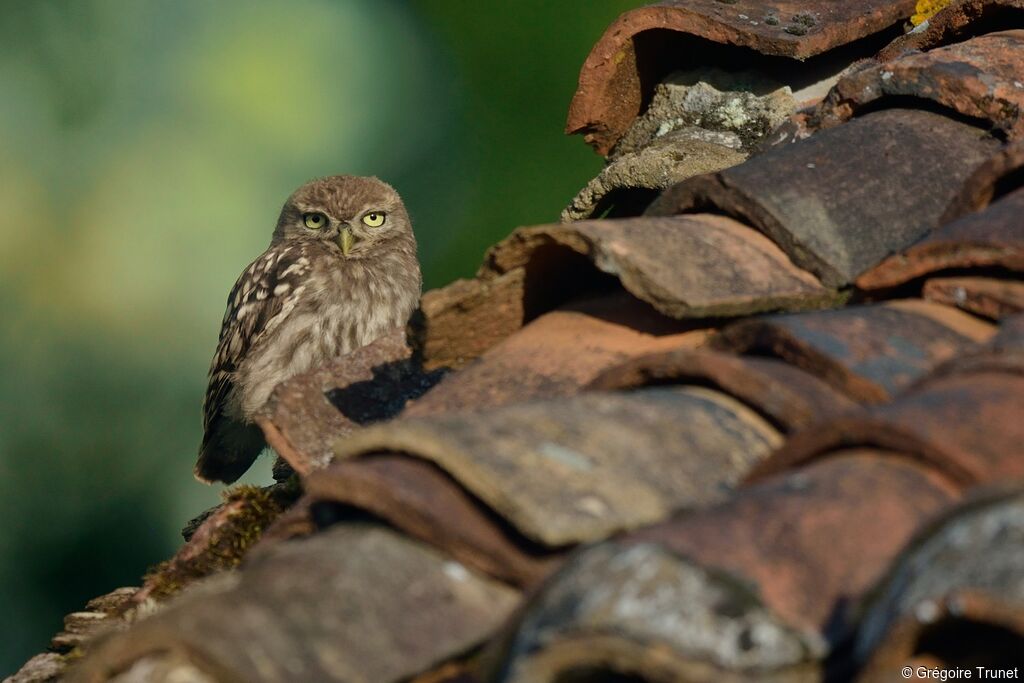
(959, 20)
(744, 588)
(822, 199)
(979, 78)
(992, 298)
(964, 424)
(684, 266)
(645, 44)
(992, 238)
(355, 602)
(558, 353)
(868, 352)
(575, 470)
(955, 591)
(787, 396)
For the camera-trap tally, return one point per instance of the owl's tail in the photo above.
(229, 449)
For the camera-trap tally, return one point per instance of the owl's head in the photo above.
(352, 214)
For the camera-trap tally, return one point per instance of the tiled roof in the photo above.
(767, 426)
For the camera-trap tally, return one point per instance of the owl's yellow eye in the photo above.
(374, 219)
(315, 220)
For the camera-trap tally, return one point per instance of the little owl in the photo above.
(340, 271)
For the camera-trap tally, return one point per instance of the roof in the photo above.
(758, 421)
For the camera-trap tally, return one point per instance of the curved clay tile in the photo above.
(634, 51)
(959, 20)
(978, 79)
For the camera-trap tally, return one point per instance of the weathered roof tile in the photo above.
(823, 199)
(979, 78)
(990, 238)
(964, 424)
(684, 266)
(355, 602)
(954, 591)
(644, 44)
(420, 499)
(788, 397)
(960, 20)
(985, 296)
(741, 589)
(575, 470)
(559, 353)
(868, 352)
(308, 411)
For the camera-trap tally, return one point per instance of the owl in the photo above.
(341, 271)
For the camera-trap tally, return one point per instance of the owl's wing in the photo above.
(262, 297)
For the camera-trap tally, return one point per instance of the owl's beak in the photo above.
(345, 240)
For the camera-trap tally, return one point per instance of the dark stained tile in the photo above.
(574, 470)
(787, 396)
(637, 49)
(356, 602)
(979, 78)
(844, 199)
(992, 238)
(868, 352)
(992, 298)
(953, 596)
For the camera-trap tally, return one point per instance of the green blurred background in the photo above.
(146, 149)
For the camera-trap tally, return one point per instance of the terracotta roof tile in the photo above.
(996, 177)
(979, 78)
(647, 612)
(644, 44)
(684, 266)
(985, 296)
(963, 424)
(373, 383)
(788, 397)
(559, 353)
(745, 587)
(457, 323)
(423, 501)
(960, 20)
(867, 352)
(992, 238)
(351, 603)
(575, 470)
(954, 592)
(823, 198)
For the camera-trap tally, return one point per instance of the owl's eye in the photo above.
(374, 219)
(315, 220)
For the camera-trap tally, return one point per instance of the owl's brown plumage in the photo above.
(341, 271)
